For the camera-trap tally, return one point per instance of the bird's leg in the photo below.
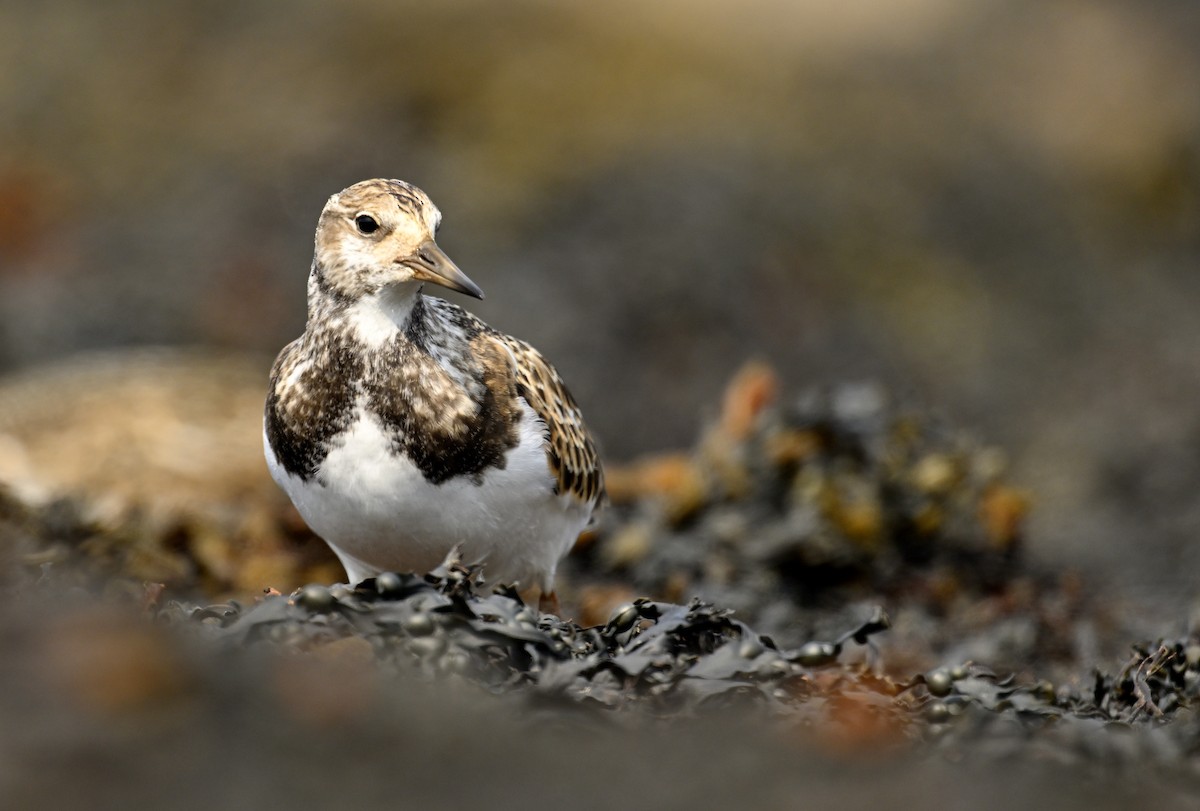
(548, 603)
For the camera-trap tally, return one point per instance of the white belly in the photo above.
(379, 513)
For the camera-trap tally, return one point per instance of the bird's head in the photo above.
(378, 234)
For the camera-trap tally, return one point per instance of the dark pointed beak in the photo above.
(431, 264)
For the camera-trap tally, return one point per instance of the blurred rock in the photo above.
(153, 458)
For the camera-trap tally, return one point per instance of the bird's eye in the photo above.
(366, 223)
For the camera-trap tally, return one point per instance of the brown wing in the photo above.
(572, 453)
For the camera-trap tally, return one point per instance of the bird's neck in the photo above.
(374, 319)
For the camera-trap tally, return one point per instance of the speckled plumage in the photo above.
(402, 426)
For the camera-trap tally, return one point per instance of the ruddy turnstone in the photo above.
(402, 426)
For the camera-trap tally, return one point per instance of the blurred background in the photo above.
(992, 207)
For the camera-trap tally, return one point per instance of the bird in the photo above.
(404, 428)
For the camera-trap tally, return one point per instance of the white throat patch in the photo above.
(376, 319)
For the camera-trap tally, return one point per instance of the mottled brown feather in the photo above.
(569, 447)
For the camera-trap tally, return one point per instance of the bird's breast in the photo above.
(372, 500)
